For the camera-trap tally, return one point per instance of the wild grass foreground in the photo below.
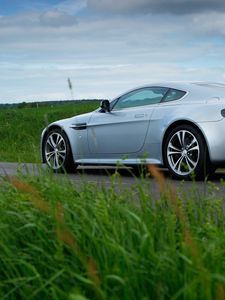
(60, 242)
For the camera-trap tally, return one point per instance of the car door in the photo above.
(124, 128)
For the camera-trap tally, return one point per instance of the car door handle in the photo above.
(139, 115)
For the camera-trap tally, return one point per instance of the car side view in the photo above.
(176, 125)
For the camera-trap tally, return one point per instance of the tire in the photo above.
(186, 154)
(57, 152)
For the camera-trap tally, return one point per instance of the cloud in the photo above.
(156, 6)
(49, 18)
(210, 24)
(56, 18)
(72, 6)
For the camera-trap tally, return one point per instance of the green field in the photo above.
(59, 241)
(20, 129)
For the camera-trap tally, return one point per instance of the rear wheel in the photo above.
(186, 153)
(57, 152)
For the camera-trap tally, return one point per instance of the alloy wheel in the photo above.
(55, 150)
(183, 152)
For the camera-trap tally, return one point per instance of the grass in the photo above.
(58, 241)
(20, 129)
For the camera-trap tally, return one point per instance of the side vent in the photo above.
(79, 126)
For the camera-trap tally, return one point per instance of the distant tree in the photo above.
(22, 105)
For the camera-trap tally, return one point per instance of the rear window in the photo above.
(173, 95)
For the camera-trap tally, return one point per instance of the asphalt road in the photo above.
(101, 176)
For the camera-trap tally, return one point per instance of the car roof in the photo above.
(190, 85)
(199, 89)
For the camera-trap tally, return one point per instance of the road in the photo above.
(101, 176)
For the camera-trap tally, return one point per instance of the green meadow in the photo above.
(20, 128)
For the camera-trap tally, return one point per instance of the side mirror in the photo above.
(105, 105)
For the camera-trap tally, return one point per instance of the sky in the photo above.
(106, 47)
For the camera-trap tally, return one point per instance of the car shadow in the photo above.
(218, 176)
(105, 171)
(128, 172)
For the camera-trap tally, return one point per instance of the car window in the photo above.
(173, 95)
(145, 96)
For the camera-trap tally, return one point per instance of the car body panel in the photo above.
(108, 133)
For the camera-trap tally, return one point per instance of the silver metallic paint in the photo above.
(131, 134)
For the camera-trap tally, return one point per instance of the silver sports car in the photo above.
(180, 126)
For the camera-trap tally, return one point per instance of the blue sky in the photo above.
(12, 6)
(106, 47)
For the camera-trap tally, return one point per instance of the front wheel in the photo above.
(186, 154)
(57, 152)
